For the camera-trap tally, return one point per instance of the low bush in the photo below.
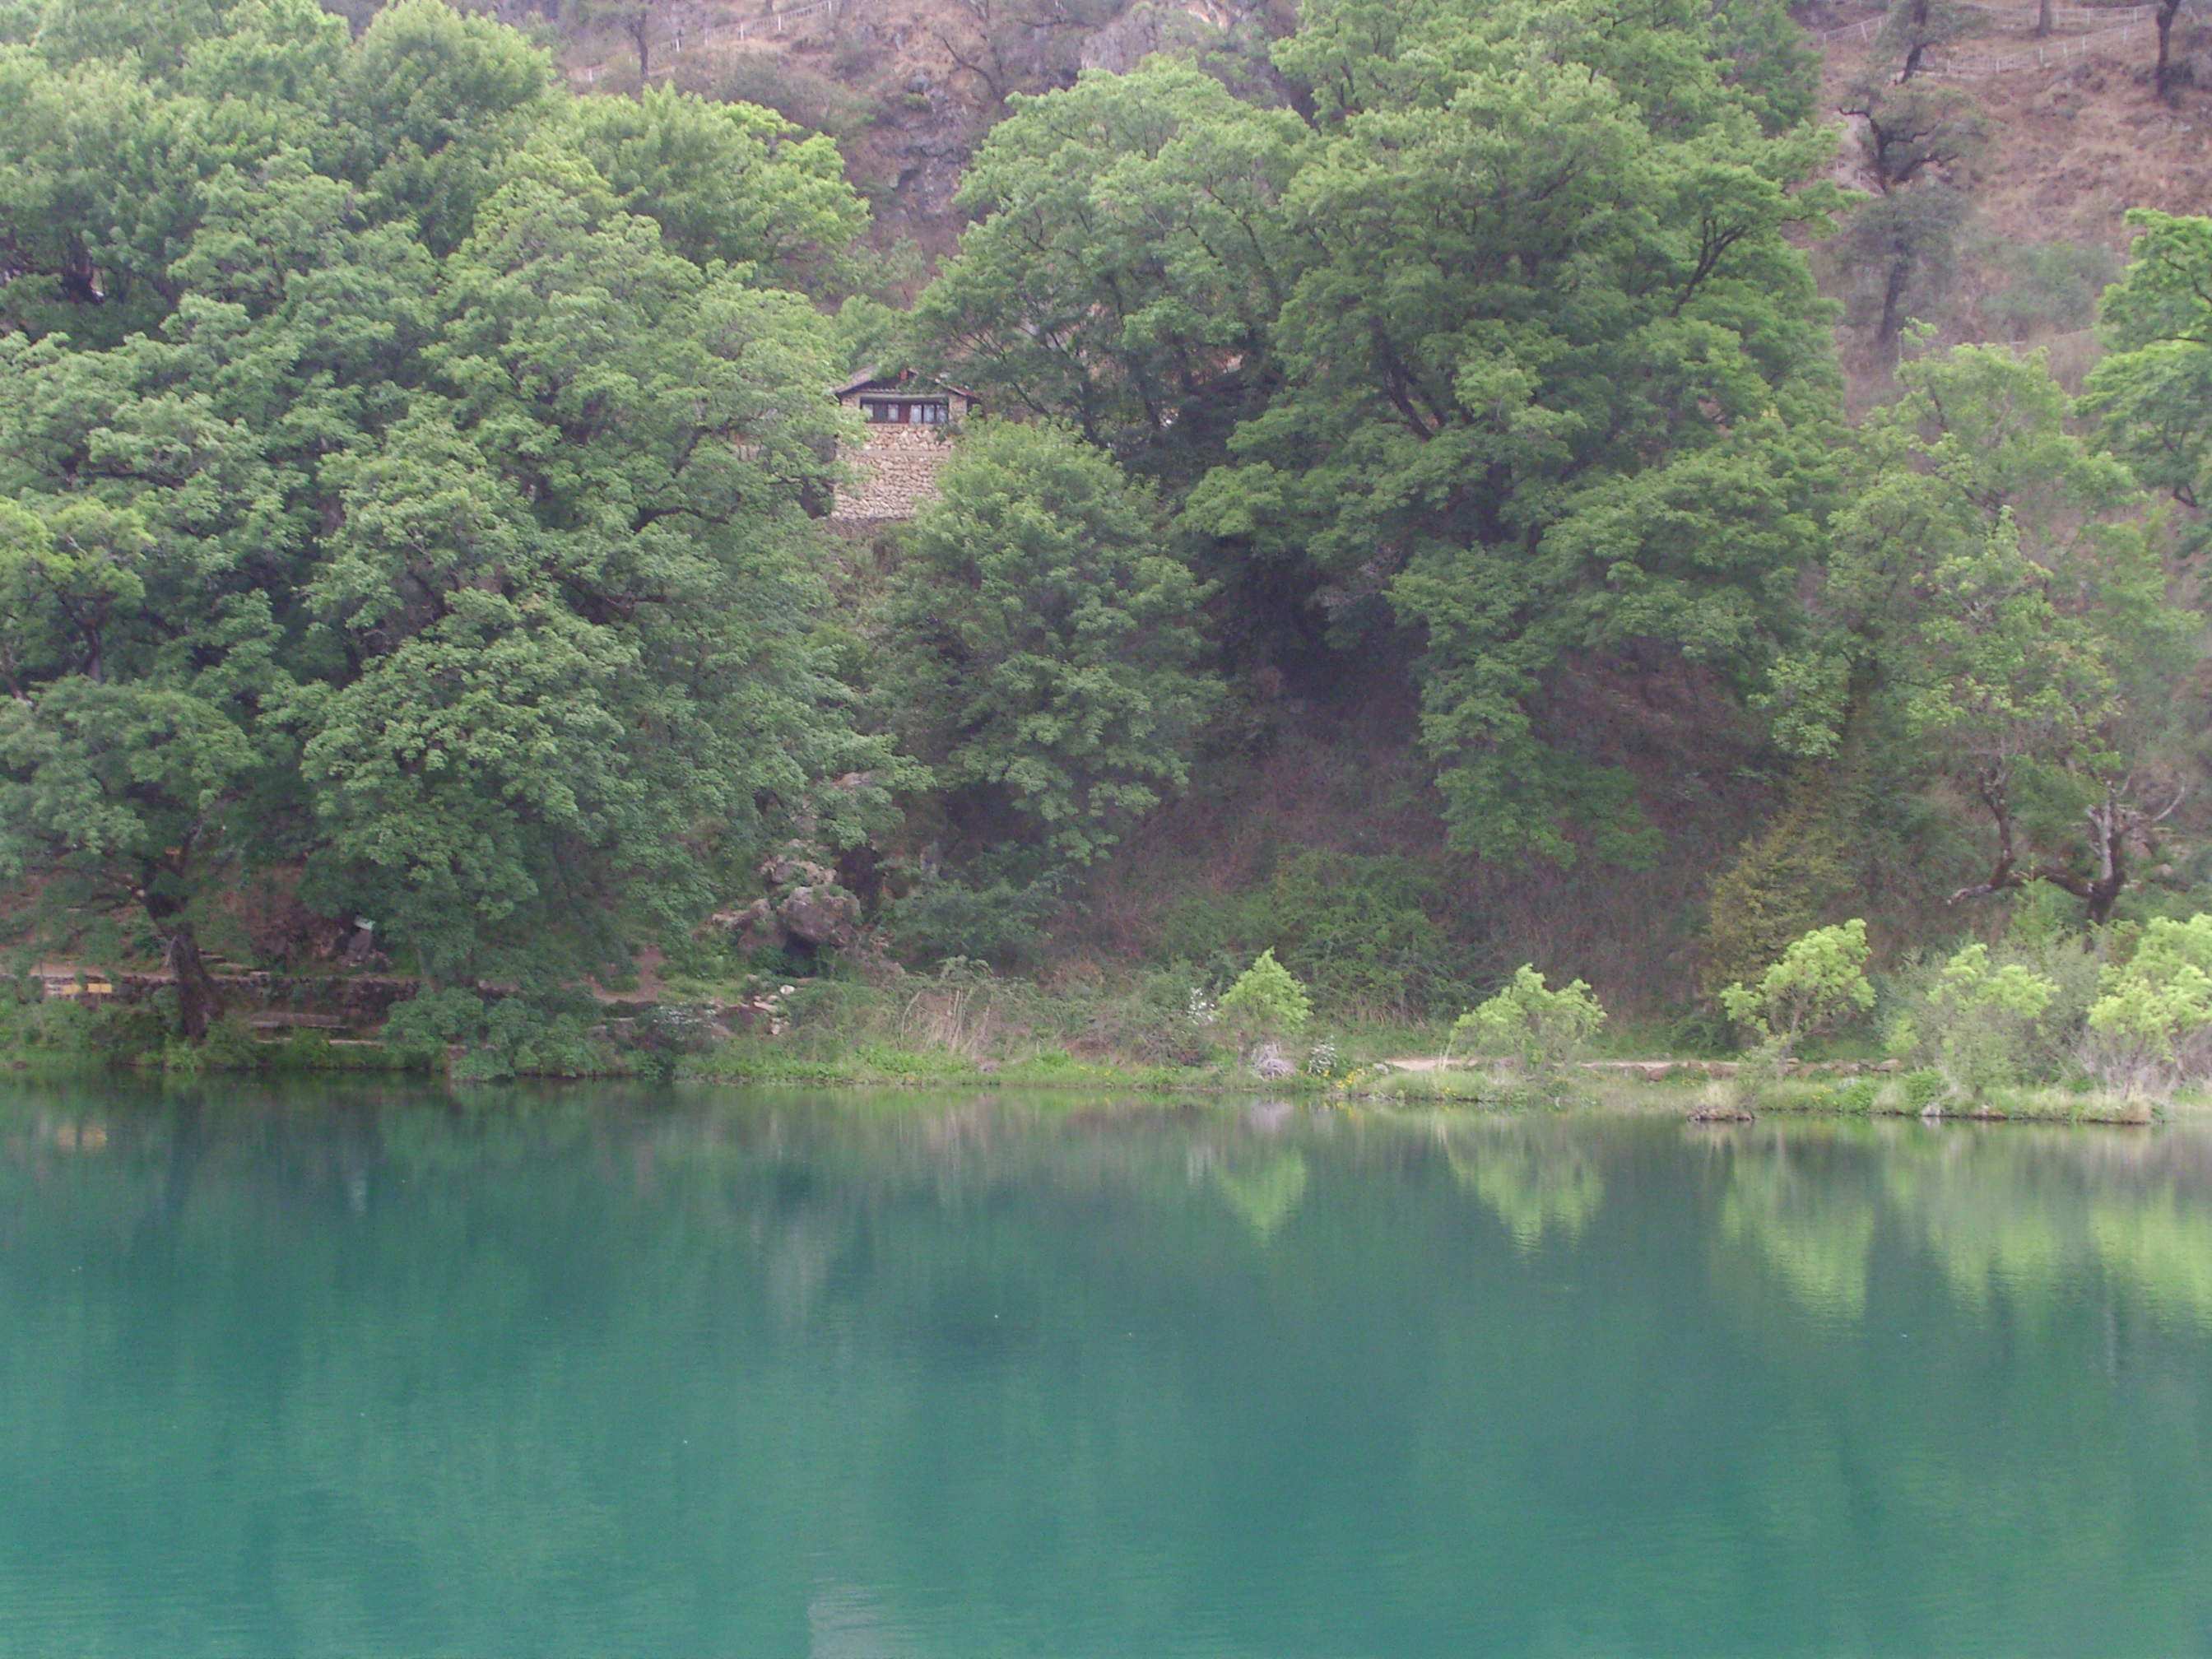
(127, 1034)
(999, 922)
(1364, 933)
(1988, 1018)
(1819, 982)
(1265, 1006)
(1542, 1028)
(798, 94)
(2150, 1028)
(542, 1035)
(2050, 285)
(1266, 1000)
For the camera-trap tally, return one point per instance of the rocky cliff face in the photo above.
(906, 87)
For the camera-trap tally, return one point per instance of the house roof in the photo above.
(868, 378)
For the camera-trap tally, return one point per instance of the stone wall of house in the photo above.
(895, 469)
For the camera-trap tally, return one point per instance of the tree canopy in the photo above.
(410, 469)
(1045, 635)
(2002, 620)
(1506, 345)
(2155, 390)
(412, 472)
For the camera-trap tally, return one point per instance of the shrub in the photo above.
(1819, 980)
(800, 95)
(229, 1046)
(1218, 932)
(2150, 1027)
(1782, 882)
(1264, 1004)
(127, 1034)
(1361, 931)
(1921, 1089)
(1158, 1019)
(420, 1029)
(1986, 1018)
(949, 918)
(1541, 1028)
(539, 1036)
(2052, 285)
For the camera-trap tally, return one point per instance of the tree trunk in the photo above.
(641, 31)
(2165, 14)
(1892, 297)
(198, 999)
(2044, 19)
(2110, 824)
(1917, 21)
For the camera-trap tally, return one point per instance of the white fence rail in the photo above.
(772, 24)
(2107, 26)
(2044, 54)
(723, 30)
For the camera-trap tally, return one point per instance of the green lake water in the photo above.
(383, 1370)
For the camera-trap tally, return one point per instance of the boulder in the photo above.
(792, 868)
(755, 925)
(822, 915)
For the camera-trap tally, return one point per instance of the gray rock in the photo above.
(756, 925)
(822, 915)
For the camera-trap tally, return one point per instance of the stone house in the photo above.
(908, 419)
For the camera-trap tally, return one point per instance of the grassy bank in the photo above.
(1913, 1094)
(965, 1030)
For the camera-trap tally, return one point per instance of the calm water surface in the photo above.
(380, 1371)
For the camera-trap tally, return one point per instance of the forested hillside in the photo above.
(1466, 481)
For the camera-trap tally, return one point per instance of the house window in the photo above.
(918, 412)
(930, 412)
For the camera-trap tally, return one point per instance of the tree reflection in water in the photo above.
(376, 1368)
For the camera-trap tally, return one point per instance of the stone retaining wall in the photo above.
(359, 1001)
(895, 470)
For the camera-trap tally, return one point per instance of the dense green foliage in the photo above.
(1784, 883)
(1541, 1028)
(2152, 1021)
(1988, 1018)
(2155, 389)
(1510, 349)
(1371, 934)
(1999, 618)
(387, 493)
(1265, 1003)
(411, 475)
(1818, 982)
(1042, 642)
(1126, 275)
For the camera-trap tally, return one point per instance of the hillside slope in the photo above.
(1325, 763)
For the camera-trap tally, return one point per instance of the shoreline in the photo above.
(1683, 1089)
